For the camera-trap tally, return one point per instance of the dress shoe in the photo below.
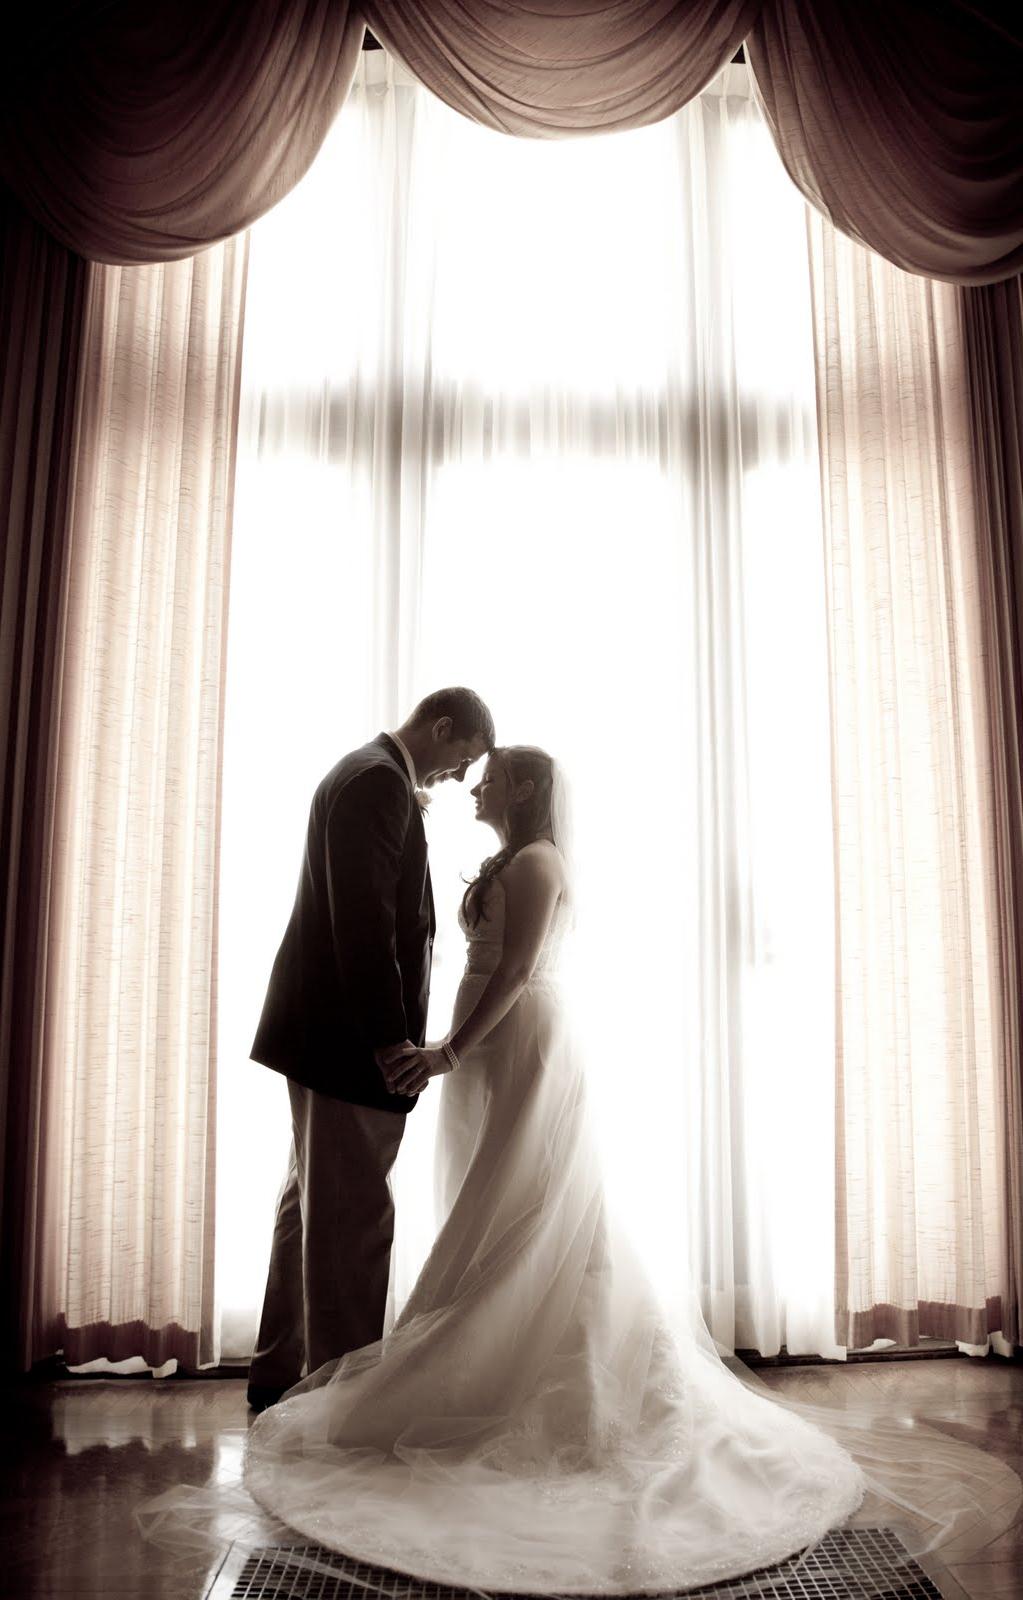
(261, 1395)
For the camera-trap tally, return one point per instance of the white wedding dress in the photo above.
(532, 1423)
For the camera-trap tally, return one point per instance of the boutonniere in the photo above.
(423, 799)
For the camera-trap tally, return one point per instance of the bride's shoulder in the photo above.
(539, 861)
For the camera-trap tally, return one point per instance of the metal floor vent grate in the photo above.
(848, 1564)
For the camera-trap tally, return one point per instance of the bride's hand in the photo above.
(412, 1073)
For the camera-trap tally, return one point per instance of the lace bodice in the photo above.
(485, 941)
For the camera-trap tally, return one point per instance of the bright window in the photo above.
(539, 417)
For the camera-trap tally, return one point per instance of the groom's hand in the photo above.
(410, 1074)
(389, 1055)
(406, 1074)
(393, 1052)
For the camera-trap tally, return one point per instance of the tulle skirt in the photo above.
(534, 1424)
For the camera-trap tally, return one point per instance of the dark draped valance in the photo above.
(143, 133)
(903, 123)
(557, 67)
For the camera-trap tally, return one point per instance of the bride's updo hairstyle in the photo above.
(526, 819)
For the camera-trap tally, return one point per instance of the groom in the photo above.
(348, 994)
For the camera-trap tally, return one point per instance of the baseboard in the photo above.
(53, 1370)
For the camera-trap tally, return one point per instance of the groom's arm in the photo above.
(365, 836)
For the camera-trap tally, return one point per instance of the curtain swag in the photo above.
(902, 123)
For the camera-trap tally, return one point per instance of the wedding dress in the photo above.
(534, 1423)
(531, 1423)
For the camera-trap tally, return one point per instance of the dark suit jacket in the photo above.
(353, 970)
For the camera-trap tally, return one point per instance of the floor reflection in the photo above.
(85, 1454)
(80, 1456)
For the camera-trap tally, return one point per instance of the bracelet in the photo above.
(453, 1059)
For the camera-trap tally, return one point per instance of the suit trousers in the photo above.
(326, 1290)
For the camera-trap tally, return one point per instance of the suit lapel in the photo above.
(388, 745)
(391, 750)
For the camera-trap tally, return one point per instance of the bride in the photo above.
(532, 1423)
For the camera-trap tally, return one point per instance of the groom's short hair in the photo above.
(470, 717)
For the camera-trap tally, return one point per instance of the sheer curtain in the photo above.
(126, 1269)
(922, 1180)
(541, 418)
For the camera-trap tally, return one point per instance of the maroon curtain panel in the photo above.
(993, 328)
(41, 318)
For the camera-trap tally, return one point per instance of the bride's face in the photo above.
(491, 793)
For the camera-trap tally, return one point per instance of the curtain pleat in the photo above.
(127, 1242)
(920, 1033)
(40, 328)
(993, 333)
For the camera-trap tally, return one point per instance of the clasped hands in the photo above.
(408, 1068)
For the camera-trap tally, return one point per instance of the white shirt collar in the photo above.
(409, 763)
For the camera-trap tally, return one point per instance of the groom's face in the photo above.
(454, 757)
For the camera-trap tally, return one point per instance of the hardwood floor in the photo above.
(976, 1400)
(80, 1454)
